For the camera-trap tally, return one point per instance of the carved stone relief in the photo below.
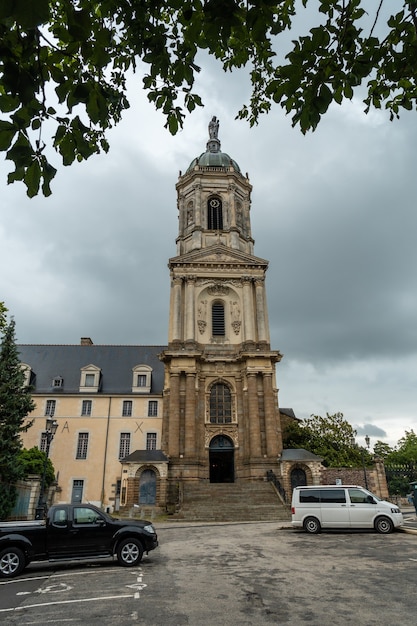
(213, 430)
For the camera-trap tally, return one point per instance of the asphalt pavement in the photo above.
(410, 519)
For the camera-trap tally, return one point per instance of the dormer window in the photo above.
(142, 379)
(90, 379)
(58, 382)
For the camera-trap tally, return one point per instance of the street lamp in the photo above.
(50, 430)
(354, 444)
(367, 441)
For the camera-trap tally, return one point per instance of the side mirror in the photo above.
(371, 500)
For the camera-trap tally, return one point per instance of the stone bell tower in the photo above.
(221, 420)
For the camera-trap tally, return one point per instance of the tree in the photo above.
(63, 65)
(405, 451)
(3, 319)
(382, 449)
(33, 462)
(15, 404)
(331, 438)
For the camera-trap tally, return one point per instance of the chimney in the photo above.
(86, 341)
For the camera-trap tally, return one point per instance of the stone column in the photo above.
(174, 416)
(260, 309)
(190, 309)
(271, 418)
(197, 205)
(254, 430)
(175, 312)
(190, 417)
(248, 309)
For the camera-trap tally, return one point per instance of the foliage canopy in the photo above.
(33, 461)
(330, 437)
(63, 65)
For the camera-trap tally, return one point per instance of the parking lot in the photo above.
(230, 575)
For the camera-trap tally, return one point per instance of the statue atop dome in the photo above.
(213, 128)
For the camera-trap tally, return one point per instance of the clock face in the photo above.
(214, 203)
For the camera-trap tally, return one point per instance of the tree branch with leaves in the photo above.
(63, 65)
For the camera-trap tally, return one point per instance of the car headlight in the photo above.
(394, 510)
(149, 529)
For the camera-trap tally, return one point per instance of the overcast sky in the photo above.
(334, 212)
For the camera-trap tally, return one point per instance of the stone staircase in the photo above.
(231, 502)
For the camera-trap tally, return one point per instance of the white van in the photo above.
(342, 506)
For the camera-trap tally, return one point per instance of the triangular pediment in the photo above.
(218, 255)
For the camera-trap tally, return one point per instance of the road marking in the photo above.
(41, 604)
(138, 585)
(57, 588)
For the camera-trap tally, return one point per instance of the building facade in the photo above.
(136, 421)
(107, 401)
(221, 418)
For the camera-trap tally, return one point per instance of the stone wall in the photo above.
(375, 477)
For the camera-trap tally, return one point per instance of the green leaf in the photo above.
(7, 132)
(32, 178)
(21, 153)
(48, 174)
(31, 13)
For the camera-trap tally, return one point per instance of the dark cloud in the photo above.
(333, 212)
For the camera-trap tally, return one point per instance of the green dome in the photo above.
(214, 159)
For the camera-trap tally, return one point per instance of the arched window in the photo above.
(220, 404)
(214, 214)
(217, 319)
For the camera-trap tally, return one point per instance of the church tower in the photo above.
(221, 419)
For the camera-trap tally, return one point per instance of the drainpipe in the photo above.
(105, 452)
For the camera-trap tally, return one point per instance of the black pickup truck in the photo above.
(73, 531)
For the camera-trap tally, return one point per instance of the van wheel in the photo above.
(312, 525)
(12, 562)
(384, 525)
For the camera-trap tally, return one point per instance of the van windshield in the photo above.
(377, 498)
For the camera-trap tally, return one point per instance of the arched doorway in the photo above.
(147, 487)
(298, 477)
(221, 455)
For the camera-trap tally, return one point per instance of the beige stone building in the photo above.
(107, 401)
(135, 422)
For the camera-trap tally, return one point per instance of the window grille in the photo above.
(50, 408)
(127, 408)
(151, 441)
(214, 214)
(43, 442)
(217, 319)
(152, 408)
(86, 407)
(141, 380)
(90, 380)
(220, 404)
(82, 446)
(124, 446)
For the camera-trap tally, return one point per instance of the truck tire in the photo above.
(384, 525)
(312, 525)
(129, 552)
(12, 562)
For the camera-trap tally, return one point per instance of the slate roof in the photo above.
(289, 413)
(299, 454)
(116, 363)
(145, 456)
